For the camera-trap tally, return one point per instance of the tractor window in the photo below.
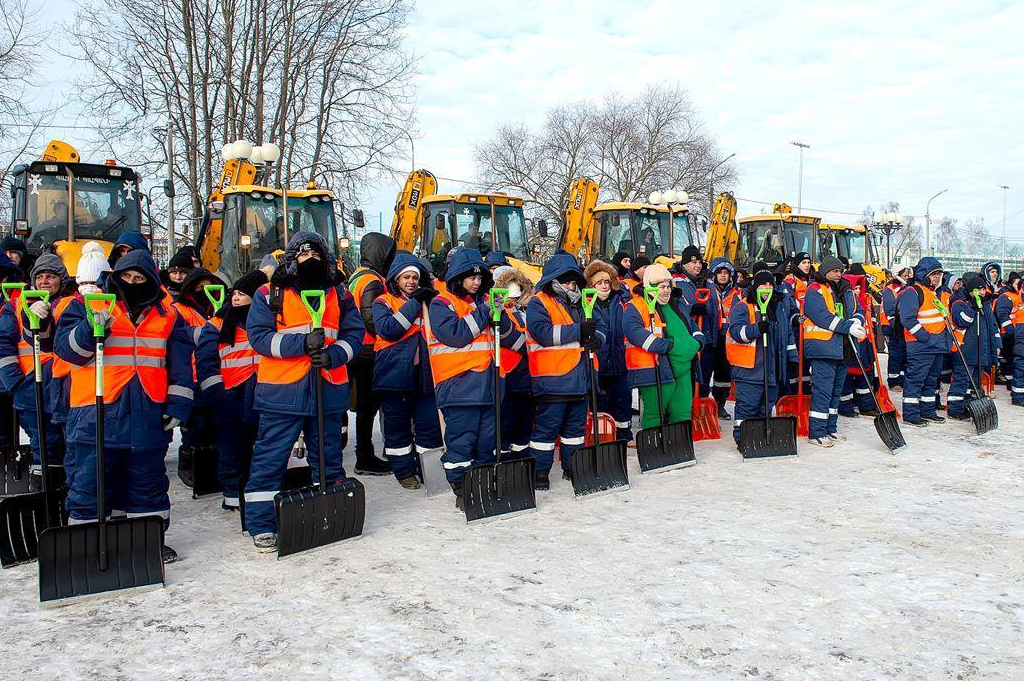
(615, 234)
(473, 227)
(681, 234)
(857, 247)
(104, 207)
(511, 232)
(799, 238)
(830, 243)
(437, 234)
(652, 232)
(763, 241)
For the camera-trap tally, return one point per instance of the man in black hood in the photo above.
(376, 252)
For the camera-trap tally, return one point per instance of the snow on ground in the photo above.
(849, 563)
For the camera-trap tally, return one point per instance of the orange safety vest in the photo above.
(360, 280)
(129, 351)
(238, 360)
(742, 354)
(555, 360)
(194, 319)
(25, 348)
(447, 362)
(636, 357)
(510, 358)
(883, 318)
(928, 315)
(294, 318)
(630, 285)
(1017, 311)
(394, 303)
(799, 289)
(61, 367)
(812, 332)
(725, 307)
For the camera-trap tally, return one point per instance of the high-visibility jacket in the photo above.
(412, 326)
(742, 353)
(513, 352)
(460, 347)
(25, 360)
(295, 319)
(61, 367)
(195, 320)
(725, 302)
(129, 350)
(824, 331)
(630, 284)
(446, 361)
(238, 360)
(402, 361)
(967, 320)
(553, 348)
(887, 315)
(743, 343)
(1006, 303)
(799, 287)
(924, 328)
(558, 359)
(358, 282)
(929, 316)
(644, 347)
(512, 355)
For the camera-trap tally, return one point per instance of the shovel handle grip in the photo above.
(25, 301)
(702, 295)
(316, 313)
(8, 287)
(497, 294)
(651, 297)
(588, 298)
(215, 294)
(108, 299)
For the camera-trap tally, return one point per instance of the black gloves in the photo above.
(320, 359)
(588, 329)
(315, 340)
(698, 309)
(423, 294)
(592, 344)
(762, 327)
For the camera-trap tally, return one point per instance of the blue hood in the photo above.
(8, 268)
(719, 263)
(462, 263)
(288, 263)
(559, 264)
(924, 267)
(984, 272)
(404, 259)
(496, 258)
(133, 239)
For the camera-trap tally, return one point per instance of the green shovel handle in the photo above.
(317, 313)
(589, 298)
(496, 307)
(942, 308)
(109, 299)
(215, 294)
(840, 310)
(651, 297)
(26, 305)
(977, 297)
(762, 301)
(7, 287)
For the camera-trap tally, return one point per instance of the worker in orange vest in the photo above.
(16, 363)
(148, 391)
(280, 329)
(517, 406)
(921, 312)
(226, 365)
(557, 338)
(376, 252)
(460, 345)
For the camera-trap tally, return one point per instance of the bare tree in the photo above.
(946, 236)
(631, 147)
(328, 81)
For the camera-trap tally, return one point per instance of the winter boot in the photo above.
(265, 542)
(541, 481)
(962, 416)
(836, 437)
(460, 502)
(723, 414)
(368, 464)
(870, 413)
(410, 482)
(919, 423)
(168, 555)
(823, 442)
(567, 474)
(934, 419)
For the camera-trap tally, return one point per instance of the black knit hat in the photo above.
(640, 261)
(13, 243)
(690, 254)
(763, 277)
(250, 282)
(973, 281)
(181, 261)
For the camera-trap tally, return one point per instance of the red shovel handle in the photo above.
(703, 295)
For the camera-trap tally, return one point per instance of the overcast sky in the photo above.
(898, 100)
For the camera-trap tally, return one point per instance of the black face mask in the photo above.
(138, 295)
(310, 275)
(241, 314)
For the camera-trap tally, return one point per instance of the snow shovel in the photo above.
(295, 477)
(769, 436)
(99, 556)
(315, 516)
(887, 424)
(24, 516)
(665, 446)
(215, 294)
(16, 458)
(601, 466)
(885, 402)
(982, 408)
(798, 405)
(705, 409)
(504, 488)
(431, 469)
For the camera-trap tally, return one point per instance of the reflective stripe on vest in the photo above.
(412, 326)
(725, 306)
(640, 357)
(510, 357)
(928, 314)
(25, 361)
(555, 360)
(238, 361)
(742, 354)
(813, 332)
(129, 351)
(360, 279)
(61, 367)
(447, 362)
(295, 319)
(799, 289)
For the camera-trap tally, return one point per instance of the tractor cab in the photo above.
(641, 229)
(486, 222)
(777, 236)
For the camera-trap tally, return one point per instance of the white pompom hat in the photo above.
(92, 263)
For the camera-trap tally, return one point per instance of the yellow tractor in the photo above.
(61, 203)
(775, 237)
(855, 243)
(659, 229)
(431, 224)
(245, 218)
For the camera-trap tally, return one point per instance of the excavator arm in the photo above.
(407, 223)
(723, 234)
(577, 233)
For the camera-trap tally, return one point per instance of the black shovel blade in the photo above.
(295, 478)
(663, 448)
(186, 458)
(15, 460)
(310, 517)
(766, 438)
(888, 428)
(204, 474)
(23, 518)
(499, 490)
(984, 414)
(599, 469)
(69, 558)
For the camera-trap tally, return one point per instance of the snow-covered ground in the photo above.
(849, 563)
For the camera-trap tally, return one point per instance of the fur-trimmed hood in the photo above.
(506, 275)
(601, 266)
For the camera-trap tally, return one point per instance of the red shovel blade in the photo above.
(885, 400)
(798, 406)
(705, 419)
(988, 382)
(606, 430)
(732, 393)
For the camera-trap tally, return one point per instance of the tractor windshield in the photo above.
(763, 241)
(473, 229)
(104, 207)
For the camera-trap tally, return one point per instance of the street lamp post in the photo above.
(1002, 259)
(800, 182)
(888, 224)
(711, 183)
(412, 147)
(928, 223)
